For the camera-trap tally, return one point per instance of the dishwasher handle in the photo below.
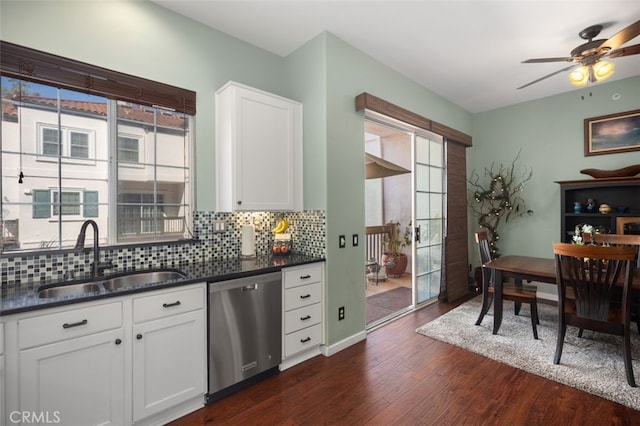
(250, 287)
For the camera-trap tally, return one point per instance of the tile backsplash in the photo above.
(307, 230)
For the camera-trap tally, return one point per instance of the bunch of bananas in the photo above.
(282, 226)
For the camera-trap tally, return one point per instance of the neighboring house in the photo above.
(65, 161)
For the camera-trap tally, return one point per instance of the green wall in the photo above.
(550, 133)
(327, 75)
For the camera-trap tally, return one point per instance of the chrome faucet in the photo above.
(97, 268)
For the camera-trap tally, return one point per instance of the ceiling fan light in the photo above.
(603, 70)
(579, 76)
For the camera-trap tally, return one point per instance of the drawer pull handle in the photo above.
(305, 296)
(168, 305)
(305, 318)
(305, 340)
(75, 324)
(305, 277)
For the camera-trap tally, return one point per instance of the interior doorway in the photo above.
(403, 206)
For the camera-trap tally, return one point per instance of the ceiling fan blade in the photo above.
(621, 37)
(545, 77)
(540, 60)
(625, 51)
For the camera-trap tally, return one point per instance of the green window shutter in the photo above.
(41, 203)
(90, 204)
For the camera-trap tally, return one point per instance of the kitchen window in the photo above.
(68, 155)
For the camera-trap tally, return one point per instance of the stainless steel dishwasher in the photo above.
(245, 332)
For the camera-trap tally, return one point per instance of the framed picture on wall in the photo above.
(612, 133)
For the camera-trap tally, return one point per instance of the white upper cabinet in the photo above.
(258, 150)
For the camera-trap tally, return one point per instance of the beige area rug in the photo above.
(592, 363)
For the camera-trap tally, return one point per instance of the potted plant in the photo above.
(394, 261)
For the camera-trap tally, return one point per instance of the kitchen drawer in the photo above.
(69, 324)
(302, 276)
(168, 303)
(303, 339)
(305, 295)
(301, 318)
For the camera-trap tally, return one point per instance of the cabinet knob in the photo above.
(238, 202)
(118, 341)
(139, 337)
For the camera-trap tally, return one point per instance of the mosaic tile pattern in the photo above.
(307, 230)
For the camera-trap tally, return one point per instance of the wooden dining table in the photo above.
(527, 268)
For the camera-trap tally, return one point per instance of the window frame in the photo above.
(29, 65)
(64, 143)
(140, 151)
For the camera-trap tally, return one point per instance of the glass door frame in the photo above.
(413, 132)
(432, 194)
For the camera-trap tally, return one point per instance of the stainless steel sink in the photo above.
(68, 290)
(115, 283)
(139, 278)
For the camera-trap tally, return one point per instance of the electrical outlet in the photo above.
(219, 226)
(340, 313)
(342, 241)
(354, 240)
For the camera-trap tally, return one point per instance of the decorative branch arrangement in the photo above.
(498, 198)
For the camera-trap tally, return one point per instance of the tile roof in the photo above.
(137, 113)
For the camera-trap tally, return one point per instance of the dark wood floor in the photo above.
(398, 377)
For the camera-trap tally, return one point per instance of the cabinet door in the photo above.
(2, 409)
(168, 362)
(75, 382)
(258, 150)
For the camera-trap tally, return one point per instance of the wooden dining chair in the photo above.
(518, 294)
(618, 240)
(588, 277)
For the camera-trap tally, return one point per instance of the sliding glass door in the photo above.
(404, 191)
(429, 216)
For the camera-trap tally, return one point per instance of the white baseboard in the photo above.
(325, 350)
(299, 357)
(328, 350)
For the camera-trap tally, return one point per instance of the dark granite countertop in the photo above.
(24, 296)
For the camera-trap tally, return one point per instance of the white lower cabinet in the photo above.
(70, 360)
(2, 380)
(75, 382)
(2, 376)
(303, 323)
(93, 364)
(169, 354)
